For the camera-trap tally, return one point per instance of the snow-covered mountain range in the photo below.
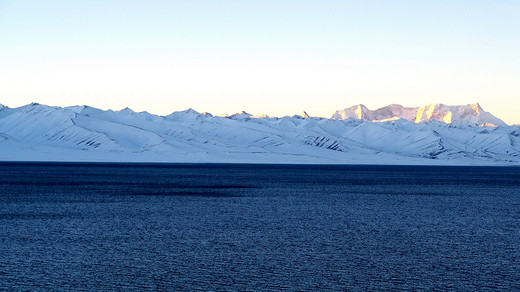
(466, 115)
(433, 134)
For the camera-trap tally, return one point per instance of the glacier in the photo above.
(431, 135)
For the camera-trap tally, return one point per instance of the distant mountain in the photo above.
(433, 134)
(469, 115)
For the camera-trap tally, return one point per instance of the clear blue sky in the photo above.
(272, 57)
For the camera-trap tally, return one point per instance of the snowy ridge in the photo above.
(471, 114)
(434, 134)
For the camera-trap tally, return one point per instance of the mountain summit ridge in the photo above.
(465, 115)
(468, 115)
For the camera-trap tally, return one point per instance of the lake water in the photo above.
(258, 227)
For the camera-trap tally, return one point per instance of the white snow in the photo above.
(471, 114)
(433, 134)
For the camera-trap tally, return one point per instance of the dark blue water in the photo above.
(252, 227)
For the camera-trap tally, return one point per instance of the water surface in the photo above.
(258, 227)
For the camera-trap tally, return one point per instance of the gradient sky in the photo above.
(273, 57)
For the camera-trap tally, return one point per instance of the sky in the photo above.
(264, 57)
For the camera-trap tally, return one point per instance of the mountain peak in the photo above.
(241, 115)
(360, 112)
(126, 110)
(304, 115)
(476, 107)
(188, 114)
